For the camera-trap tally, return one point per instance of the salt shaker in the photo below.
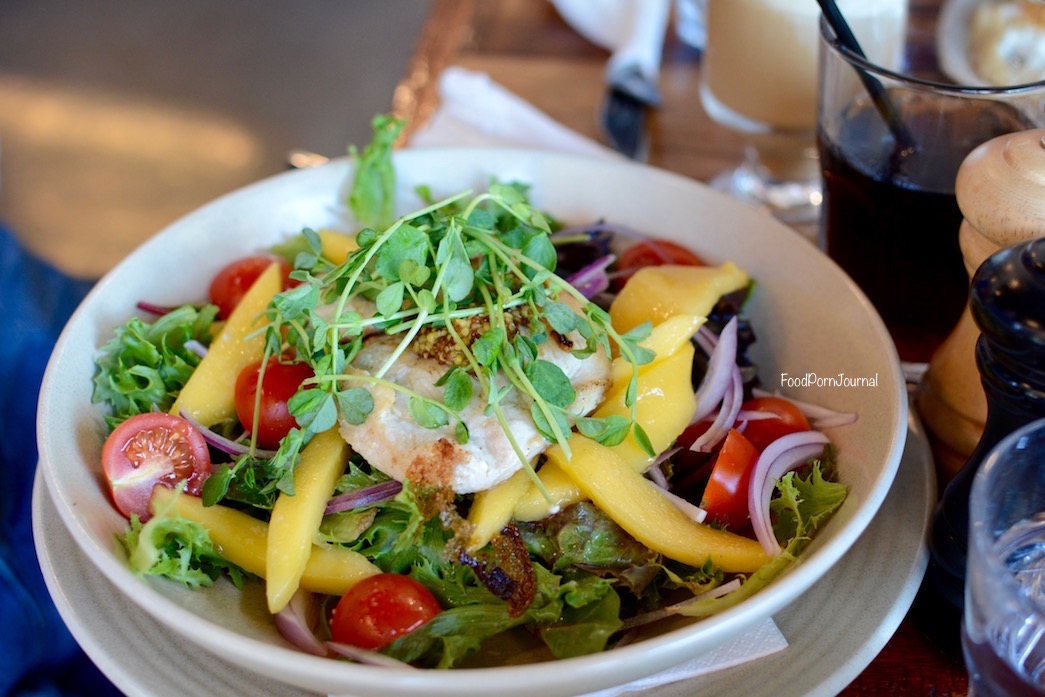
(1007, 303)
(1001, 192)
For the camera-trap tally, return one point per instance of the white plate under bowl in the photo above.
(811, 320)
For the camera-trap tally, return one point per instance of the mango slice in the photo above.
(635, 504)
(209, 396)
(655, 293)
(664, 340)
(336, 245)
(666, 403)
(492, 509)
(243, 540)
(296, 518)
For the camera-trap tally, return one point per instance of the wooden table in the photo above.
(525, 46)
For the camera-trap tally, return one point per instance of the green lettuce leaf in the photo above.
(178, 549)
(144, 366)
(803, 505)
(372, 197)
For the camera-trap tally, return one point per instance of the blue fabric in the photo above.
(38, 655)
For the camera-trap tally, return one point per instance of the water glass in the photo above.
(1003, 630)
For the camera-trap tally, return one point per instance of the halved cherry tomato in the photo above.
(725, 496)
(762, 432)
(652, 252)
(380, 609)
(280, 382)
(149, 450)
(233, 281)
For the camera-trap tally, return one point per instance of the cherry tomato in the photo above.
(762, 432)
(725, 496)
(380, 609)
(149, 450)
(280, 382)
(233, 281)
(652, 252)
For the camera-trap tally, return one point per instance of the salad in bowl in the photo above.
(410, 435)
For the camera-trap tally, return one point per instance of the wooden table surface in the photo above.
(525, 46)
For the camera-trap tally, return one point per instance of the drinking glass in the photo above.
(1003, 631)
(890, 216)
(759, 78)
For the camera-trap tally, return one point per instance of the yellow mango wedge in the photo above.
(664, 340)
(243, 540)
(209, 396)
(635, 504)
(492, 509)
(336, 245)
(532, 505)
(296, 518)
(656, 293)
(665, 405)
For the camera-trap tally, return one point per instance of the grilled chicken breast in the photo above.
(394, 443)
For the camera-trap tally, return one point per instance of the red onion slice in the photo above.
(719, 376)
(592, 279)
(780, 457)
(726, 417)
(705, 339)
(153, 309)
(196, 347)
(819, 416)
(224, 444)
(372, 658)
(690, 510)
(296, 623)
(363, 497)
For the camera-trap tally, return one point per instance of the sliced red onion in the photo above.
(705, 339)
(726, 417)
(834, 420)
(655, 473)
(297, 622)
(719, 376)
(751, 415)
(196, 347)
(224, 444)
(819, 416)
(592, 279)
(669, 610)
(691, 511)
(716, 592)
(363, 497)
(746, 416)
(780, 457)
(159, 310)
(372, 658)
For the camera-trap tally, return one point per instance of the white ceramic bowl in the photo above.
(809, 318)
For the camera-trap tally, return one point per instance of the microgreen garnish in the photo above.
(469, 279)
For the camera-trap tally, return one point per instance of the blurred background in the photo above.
(116, 118)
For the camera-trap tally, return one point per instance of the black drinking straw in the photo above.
(885, 107)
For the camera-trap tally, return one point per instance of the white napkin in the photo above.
(475, 110)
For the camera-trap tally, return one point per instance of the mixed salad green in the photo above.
(493, 282)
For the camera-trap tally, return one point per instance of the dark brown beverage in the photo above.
(891, 219)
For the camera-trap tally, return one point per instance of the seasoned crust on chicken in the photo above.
(390, 440)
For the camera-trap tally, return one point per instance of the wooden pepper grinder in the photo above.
(1001, 193)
